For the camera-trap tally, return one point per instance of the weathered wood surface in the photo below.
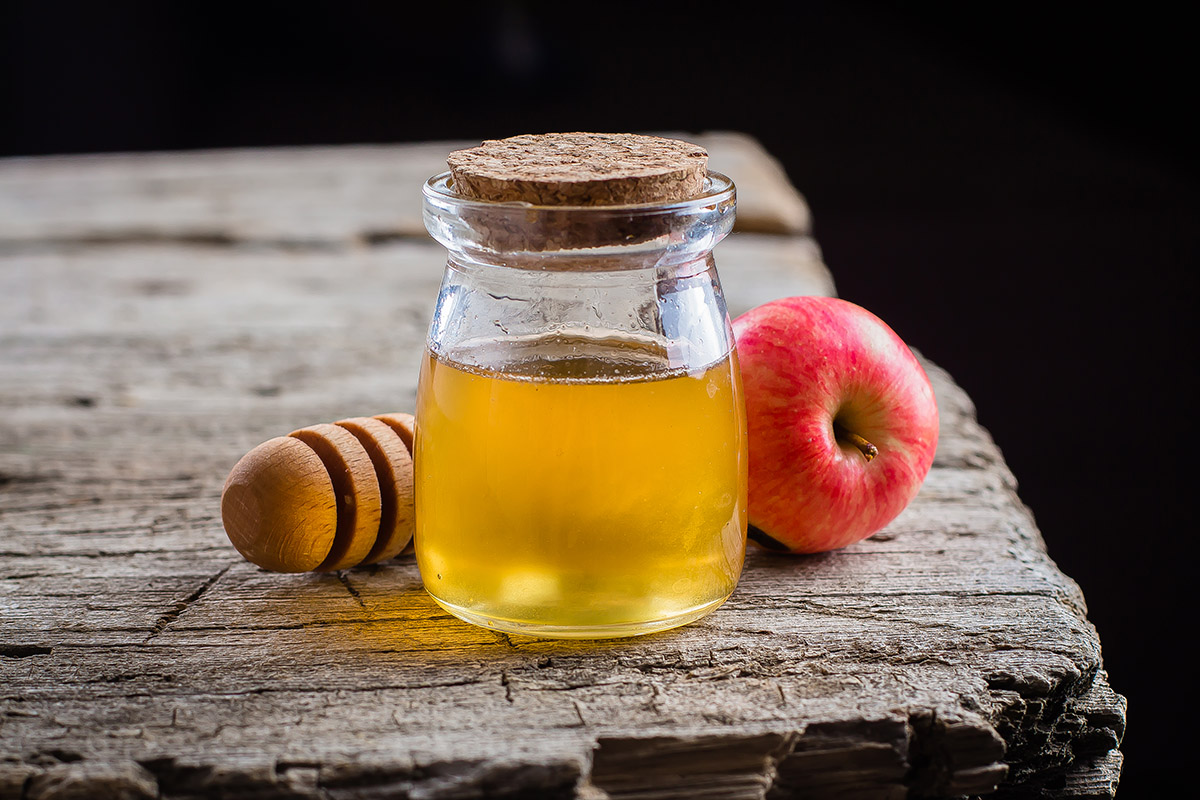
(294, 196)
(182, 309)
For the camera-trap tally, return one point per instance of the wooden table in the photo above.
(161, 314)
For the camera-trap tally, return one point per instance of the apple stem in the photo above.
(868, 450)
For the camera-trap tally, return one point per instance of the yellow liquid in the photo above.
(583, 490)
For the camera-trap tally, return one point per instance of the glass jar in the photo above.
(580, 446)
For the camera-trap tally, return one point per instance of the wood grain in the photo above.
(946, 656)
(296, 197)
(394, 469)
(279, 506)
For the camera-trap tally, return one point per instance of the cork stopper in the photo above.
(580, 169)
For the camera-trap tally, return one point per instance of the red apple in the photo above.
(842, 418)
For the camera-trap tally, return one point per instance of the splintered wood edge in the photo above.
(356, 489)
(580, 168)
(394, 470)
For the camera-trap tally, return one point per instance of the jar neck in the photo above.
(579, 239)
(677, 311)
(579, 274)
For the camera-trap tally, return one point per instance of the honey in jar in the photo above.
(581, 482)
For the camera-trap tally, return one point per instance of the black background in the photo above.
(1013, 191)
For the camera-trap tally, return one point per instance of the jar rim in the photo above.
(718, 188)
(573, 237)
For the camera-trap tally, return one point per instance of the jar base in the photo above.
(619, 630)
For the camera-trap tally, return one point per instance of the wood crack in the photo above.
(175, 611)
(212, 239)
(24, 650)
(92, 554)
(758, 603)
(159, 693)
(504, 681)
(341, 576)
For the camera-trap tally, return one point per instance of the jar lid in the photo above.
(580, 169)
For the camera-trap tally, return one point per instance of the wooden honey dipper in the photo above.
(325, 497)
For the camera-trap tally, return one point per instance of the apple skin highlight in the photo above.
(824, 380)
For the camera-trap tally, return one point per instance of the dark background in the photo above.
(1013, 191)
